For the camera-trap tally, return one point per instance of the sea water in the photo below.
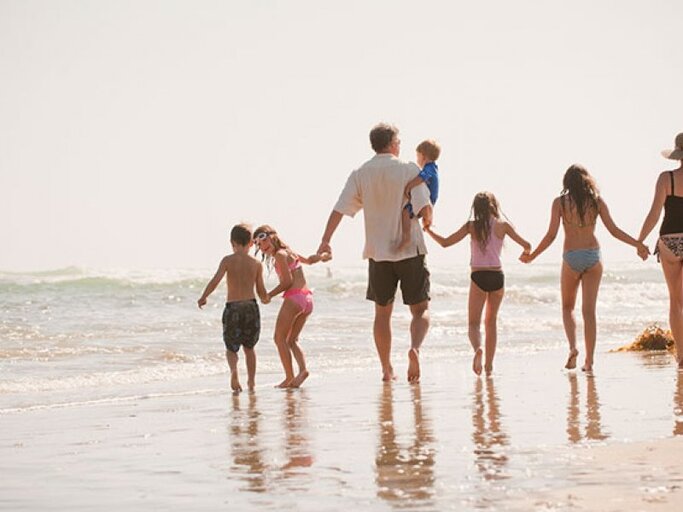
(114, 393)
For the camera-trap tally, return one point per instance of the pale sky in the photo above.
(134, 134)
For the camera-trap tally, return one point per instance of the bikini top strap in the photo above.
(671, 174)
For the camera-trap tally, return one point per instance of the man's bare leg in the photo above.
(382, 334)
(419, 325)
(234, 377)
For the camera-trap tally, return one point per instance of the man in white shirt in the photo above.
(377, 188)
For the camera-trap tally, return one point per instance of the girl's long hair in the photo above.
(484, 208)
(580, 190)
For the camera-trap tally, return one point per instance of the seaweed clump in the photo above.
(652, 338)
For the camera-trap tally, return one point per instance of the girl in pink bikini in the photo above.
(297, 304)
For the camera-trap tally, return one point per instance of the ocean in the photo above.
(114, 392)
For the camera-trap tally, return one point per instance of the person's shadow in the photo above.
(593, 429)
(404, 471)
(678, 405)
(247, 454)
(489, 437)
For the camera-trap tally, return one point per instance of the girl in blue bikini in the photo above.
(578, 208)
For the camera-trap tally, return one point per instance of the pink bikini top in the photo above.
(490, 256)
(292, 266)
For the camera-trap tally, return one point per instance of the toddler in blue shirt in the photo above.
(428, 152)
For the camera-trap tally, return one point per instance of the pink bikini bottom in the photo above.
(302, 297)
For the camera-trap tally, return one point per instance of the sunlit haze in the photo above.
(134, 134)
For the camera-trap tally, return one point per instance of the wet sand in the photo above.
(532, 437)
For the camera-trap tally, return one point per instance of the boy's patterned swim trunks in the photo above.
(241, 324)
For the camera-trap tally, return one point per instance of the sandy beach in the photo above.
(533, 437)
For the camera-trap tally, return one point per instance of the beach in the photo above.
(116, 402)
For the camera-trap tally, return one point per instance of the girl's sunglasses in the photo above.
(261, 236)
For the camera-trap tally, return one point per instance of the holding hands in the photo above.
(643, 251)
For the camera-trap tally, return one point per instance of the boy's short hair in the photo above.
(381, 136)
(430, 149)
(241, 234)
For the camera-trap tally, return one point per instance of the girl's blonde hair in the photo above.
(484, 207)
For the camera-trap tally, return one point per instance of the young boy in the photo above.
(241, 316)
(428, 152)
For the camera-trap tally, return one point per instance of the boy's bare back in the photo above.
(242, 273)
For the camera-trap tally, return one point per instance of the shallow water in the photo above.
(114, 394)
(454, 442)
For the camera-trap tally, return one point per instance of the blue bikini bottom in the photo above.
(581, 260)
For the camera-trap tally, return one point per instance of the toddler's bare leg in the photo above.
(405, 229)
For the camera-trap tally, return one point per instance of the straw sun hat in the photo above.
(677, 152)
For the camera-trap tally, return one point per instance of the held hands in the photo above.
(643, 251)
(526, 257)
(323, 249)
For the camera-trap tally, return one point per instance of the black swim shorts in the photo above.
(384, 276)
(241, 324)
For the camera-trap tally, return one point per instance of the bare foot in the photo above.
(388, 375)
(588, 368)
(476, 361)
(235, 383)
(413, 366)
(488, 368)
(571, 360)
(284, 384)
(251, 385)
(299, 379)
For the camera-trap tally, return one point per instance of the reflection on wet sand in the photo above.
(295, 422)
(653, 360)
(405, 471)
(490, 440)
(678, 405)
(259, 467)
(248, 455)
(593, 430)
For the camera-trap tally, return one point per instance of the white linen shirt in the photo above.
(377, 187)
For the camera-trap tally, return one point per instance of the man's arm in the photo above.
(426, 214)
(332, 224)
